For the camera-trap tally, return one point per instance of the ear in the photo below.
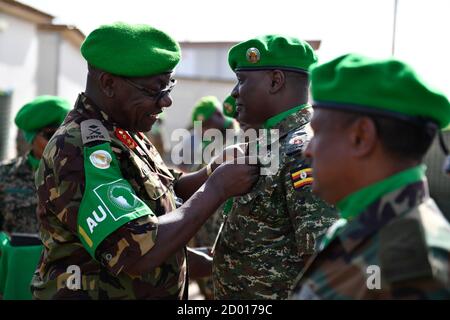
(363, 137)
(107, 83)
(277, 79)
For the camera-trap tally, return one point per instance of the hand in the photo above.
(200, 263)
(231, 179)
(228, 154)
(234, 151)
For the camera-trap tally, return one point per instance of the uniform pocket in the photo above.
(154, 187)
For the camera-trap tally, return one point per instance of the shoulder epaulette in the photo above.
(92, 130)
(295, 140)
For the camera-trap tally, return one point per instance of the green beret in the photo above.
(390, 87)
(272, 52)
(229, 107)
(205, 108)
(43, 111)
(131, 50)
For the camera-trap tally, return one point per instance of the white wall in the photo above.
(185, 95)
(205, 61)
(48, 60)
(72, 72)
(18, 63)
(33, 63)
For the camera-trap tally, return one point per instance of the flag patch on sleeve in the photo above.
(301, 177)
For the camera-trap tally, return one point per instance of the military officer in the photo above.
(107, 203)
(38, 120)
(270, 232)
(374, 121)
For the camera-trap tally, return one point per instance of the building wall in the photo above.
(18, 65)
(185, 95)
(72, 71)
(47, 69)
(205, 61)
(35, 62)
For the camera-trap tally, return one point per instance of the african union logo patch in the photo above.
(253, 55)
(119, 199)
(100, 159)
(122, 196)
(301, 177)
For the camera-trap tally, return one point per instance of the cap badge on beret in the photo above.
(253, 55)
(228, 107)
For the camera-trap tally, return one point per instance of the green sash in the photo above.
(109, 201)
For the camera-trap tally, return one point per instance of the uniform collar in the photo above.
(357, 202)
(390, 205)
(286, 120)
(32, 161)
(89, 109)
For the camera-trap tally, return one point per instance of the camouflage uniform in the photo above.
(17, 197)
(403, 233)
(205, 237)
(60, 182)
(270, 231)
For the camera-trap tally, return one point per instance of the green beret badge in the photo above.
(253, 55)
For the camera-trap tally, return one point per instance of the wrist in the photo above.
(215, 190)
(209, 169)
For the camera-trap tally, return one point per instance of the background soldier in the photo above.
(271, 231)
(374, 121)
(38, 119)
(207, 112)
(107, 201)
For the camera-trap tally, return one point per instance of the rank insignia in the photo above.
(127, 140)
(253, 55)
(301, 177)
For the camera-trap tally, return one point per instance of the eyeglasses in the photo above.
(156, 96)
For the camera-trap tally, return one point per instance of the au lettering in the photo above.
(93, 221)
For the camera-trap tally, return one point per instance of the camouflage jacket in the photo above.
(270, 231)
(60, 181)
(18, 199)
(398, 248)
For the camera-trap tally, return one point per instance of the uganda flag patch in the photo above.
(301, 177)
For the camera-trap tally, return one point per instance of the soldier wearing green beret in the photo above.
(269, 233)
(374, 121)
(229, 107)
(38, 121)
(111, 215)
(207, 111)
